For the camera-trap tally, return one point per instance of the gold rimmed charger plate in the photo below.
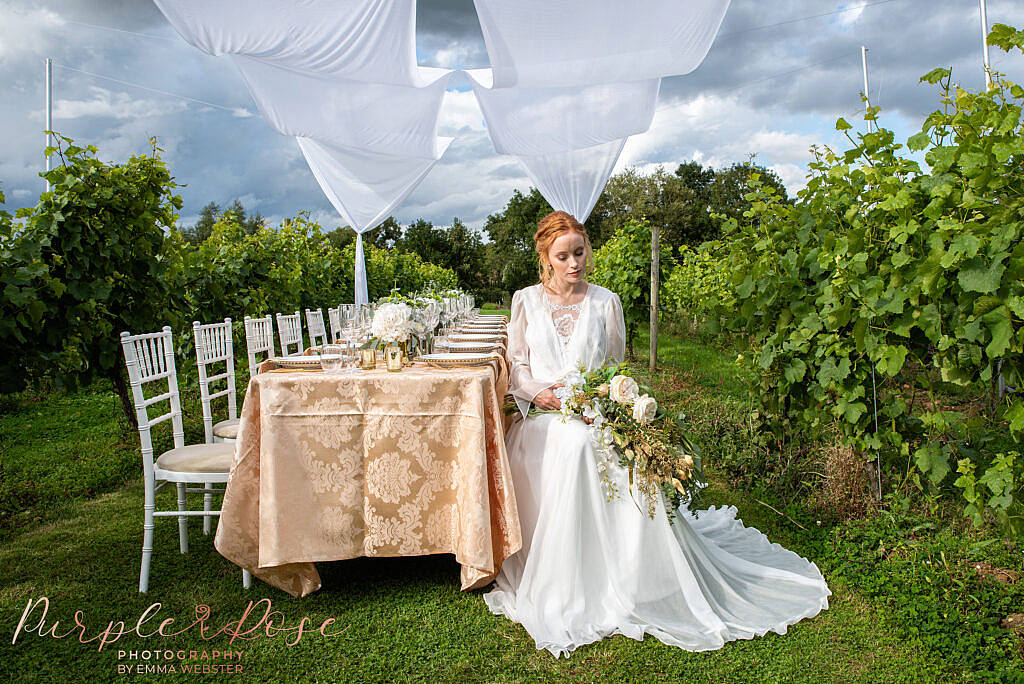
(473, 347)
(475, 337)
(308, 362)
(455, 360)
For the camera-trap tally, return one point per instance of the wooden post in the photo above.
(655, 259)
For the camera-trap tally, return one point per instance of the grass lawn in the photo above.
(399, 619)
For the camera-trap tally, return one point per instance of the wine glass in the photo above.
(352, 335)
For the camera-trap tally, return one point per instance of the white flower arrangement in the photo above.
(392, 322)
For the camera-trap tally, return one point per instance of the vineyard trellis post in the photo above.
(655, 259)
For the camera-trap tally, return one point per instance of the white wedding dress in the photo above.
(589, 567)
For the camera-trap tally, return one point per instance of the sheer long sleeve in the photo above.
(521, 383)
(615, 330)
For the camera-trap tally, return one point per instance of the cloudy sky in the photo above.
(773, 84)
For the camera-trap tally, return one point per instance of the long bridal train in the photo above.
(592, 567)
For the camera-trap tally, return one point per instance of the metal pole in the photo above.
(867, 98)
(48, 75)
(984, 45)
(655, 267)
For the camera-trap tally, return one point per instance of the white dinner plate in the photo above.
(454, 360)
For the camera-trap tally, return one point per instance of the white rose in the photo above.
(391, 322)
(645, 409)
(623, 389)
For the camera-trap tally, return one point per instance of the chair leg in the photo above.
(147, 540)
(182, 519)
(207, 506)
(246, 579)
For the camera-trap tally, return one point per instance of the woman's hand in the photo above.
(546, 399)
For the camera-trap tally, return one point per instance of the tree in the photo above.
(211, 213)
(386, 235)
(465, 256)
(663, 199)
(422, 238)
(726, 193)
(199, 232)
(511, 233)
(340, 237)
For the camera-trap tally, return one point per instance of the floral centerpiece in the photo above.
(392, 323)
(630, 430)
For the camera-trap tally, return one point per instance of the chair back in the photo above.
(315, 324)
(150, 358)
(214, 346)
(289, 329)
(334, 316)
(259, 339)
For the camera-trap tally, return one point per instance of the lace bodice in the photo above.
(546, 341)
(563, 317)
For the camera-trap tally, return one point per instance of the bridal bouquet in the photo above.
(629, 429)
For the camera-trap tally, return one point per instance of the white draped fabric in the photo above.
(583, 42)
(340, 76)
(566, 138)
(571, 80)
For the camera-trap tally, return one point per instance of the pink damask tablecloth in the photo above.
(329, 467)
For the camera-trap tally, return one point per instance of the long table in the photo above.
(334, 466)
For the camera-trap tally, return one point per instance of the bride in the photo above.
(589, 567)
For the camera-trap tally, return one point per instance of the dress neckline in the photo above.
(552, 305)
(562, 340)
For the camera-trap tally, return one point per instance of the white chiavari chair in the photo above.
(289, 330)
(334, 318)
(150, 359)
(259, 339)
(214, 346)
(315, 325)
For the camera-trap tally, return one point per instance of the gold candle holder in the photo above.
(393, 358)
(368, 358)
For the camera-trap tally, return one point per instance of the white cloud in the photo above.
(458, 111)
(104, 103)
(718, 131)
(25, 32)
(454, 56)
(849, 14)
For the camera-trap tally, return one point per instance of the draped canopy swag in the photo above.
(569, 81)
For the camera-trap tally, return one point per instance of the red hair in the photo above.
(552, 227)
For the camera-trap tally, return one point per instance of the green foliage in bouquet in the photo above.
(888, 283)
